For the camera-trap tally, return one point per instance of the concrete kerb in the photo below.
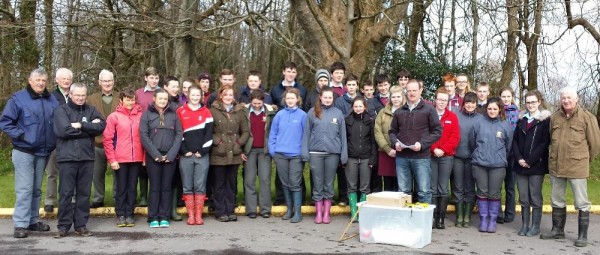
(241, 210)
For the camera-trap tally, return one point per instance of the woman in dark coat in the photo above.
(161, 134)
(530, 154)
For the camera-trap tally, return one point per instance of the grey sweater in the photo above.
(326, 134)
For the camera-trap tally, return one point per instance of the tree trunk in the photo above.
(416, 25)
(183, 46)
(475, 39)
(508, 67)
(27, 51)
(355, 33)
(48, 34)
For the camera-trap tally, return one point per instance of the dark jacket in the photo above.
(375, 102)
(373, 106)
(76, 144)
(60, 98)
(159, 140)
(277, 93)
(313, 98)
(177, 101)
(491, 142)
(420, 124)
(28, 119)
(244, 96)
(531, 144)
(344, 103)
(467, 121)
(231, 132)
(361, 137)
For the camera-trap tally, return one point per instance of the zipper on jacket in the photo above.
(131, 135)
(44, 126)
(532, 139)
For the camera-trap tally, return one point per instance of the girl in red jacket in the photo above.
(123, 149)
(442, 156)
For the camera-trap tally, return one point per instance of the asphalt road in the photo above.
(274, 236)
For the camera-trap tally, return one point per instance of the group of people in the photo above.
(458, 149)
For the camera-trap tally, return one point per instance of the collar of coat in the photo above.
(75, 106)
(544, 114)
(236, 107)
(35, 95)
(267, 108)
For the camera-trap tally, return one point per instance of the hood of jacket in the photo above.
(544, 114)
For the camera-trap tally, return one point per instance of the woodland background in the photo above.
(526, 44)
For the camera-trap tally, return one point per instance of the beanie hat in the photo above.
(322, 73)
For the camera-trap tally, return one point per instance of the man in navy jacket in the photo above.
(27, 119)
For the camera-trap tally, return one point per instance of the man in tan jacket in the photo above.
(105, 101)
(575, 142)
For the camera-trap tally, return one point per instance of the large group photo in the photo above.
(376, 121)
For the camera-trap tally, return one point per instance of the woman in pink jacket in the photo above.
(123, 148)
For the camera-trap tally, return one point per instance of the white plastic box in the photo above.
(410, 227)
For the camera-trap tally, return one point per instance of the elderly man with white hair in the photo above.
(63, 79)
(575, 142)
(105, 101)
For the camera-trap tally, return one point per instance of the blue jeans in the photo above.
(420, 168)
(29, 170)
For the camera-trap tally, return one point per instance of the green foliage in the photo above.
(422, 66)
(6, 166)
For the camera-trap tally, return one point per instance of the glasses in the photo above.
(531, 102)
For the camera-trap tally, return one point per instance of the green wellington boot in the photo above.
(352, 200)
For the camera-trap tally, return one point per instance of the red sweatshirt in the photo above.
(450, 134)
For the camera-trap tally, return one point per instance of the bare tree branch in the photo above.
(572, 23)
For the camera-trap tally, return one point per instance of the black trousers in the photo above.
(342, 185)
(224, 189)
(126, 193)
(376, 180)
(159, 200)
(75, 180)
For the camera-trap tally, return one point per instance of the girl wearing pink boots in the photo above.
(324, 146)
(194, 160)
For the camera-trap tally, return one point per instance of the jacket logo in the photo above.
(264, 119)
(200, 118)
(334, 121)
(499, 134)
(447, 122)
(84, 119)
